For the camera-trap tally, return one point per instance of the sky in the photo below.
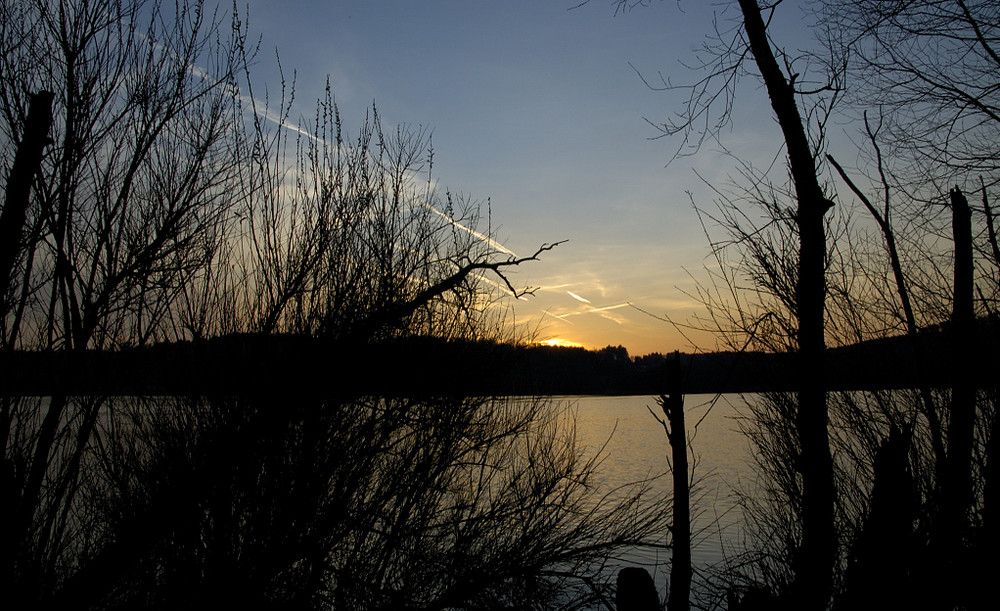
(544, 110)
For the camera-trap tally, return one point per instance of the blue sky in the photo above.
(540, 108)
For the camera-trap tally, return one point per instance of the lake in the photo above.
(636, 448)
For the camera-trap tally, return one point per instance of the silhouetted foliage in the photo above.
(295, 500)
(276, 290)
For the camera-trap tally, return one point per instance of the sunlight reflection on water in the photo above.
(636, 448)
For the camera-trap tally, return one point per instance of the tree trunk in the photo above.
(680, 564)
(816, 557)
(27, 160)
(987, 561)
(956, 489)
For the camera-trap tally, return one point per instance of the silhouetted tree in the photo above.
(171, 206)
(131, 195)
(297, 500)
(805, 292)
(928, 69)
(23, 170)
(672, 404)
(814, 570)
(940, 129)
(344, 236)
(932, 67)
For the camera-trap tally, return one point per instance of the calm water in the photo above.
(636, 448)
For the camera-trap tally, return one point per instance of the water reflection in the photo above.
(636, 449)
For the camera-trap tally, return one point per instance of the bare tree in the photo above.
(174, 205)
(360, 245)
(929, 69)
(365, 503)
(725, 64)
(134, 188)
(933, 67)
(130, 196)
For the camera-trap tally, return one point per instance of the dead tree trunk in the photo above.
(816, 557)
(27, 160)
(680, 564)
(957, 492)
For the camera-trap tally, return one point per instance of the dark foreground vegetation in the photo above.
(886, 497)
(167, 233)
(250, 363)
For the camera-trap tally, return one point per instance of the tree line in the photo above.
(413, 366)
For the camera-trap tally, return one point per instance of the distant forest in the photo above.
(430, 366)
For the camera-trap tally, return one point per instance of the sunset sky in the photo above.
(541, 108)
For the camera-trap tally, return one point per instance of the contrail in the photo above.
(561, 317)
(261, 109)
(590, 310)
(258, 107)
(268, 114)
(613, 307)
(485, 238)
(577, 297)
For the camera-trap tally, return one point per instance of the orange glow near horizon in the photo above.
(560, 342)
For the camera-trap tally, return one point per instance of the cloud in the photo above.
(577, 297)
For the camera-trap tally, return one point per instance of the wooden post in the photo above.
(680, 565)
